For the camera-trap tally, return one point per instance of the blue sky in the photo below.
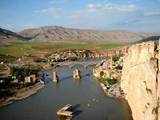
(132, 15)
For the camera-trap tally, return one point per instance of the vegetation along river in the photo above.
(85, 94)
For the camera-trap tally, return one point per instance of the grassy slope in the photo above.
(20, 48)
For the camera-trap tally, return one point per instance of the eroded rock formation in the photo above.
(140, 80)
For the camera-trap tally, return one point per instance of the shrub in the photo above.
(115, 58)
(111, 81)
(108, 81)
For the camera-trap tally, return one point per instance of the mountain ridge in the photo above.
(58, 33)
(9, 36)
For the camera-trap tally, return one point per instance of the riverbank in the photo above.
(113, 91)
(104, 88)
(22, 94)
(85, 96)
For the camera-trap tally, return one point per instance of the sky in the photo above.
(130, 15)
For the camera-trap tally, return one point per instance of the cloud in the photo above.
(121, 8)
(111, 7)
(94, 7)
(103, 14)
(152, 13)
(76, 15)
(51, 11)
(107, 10)
(53, 2)
(29, 25)
(9, 26)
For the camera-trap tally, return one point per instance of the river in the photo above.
(85, 94)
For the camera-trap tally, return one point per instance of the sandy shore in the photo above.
(22, 94)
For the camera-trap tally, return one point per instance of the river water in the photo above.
(85, 95)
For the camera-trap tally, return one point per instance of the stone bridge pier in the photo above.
(76, 74)
(55, 77)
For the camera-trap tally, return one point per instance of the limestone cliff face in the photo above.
(140, 80)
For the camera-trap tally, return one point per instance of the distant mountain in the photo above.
(56, 33)
(9, 36)
(151, 38)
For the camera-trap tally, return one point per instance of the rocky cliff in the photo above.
(140, 80)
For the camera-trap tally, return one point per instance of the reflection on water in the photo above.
(86, 96)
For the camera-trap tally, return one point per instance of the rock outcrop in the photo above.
(140, 80)
(111, 68)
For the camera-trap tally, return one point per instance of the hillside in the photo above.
(56, 33)
(9, 36)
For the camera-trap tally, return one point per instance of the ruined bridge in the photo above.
(75, 68)
(83, 64)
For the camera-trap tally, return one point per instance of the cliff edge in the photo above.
(140, 80)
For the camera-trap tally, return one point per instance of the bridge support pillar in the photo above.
(76, 74)
(55, 77)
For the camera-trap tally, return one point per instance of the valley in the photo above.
(30, 67)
